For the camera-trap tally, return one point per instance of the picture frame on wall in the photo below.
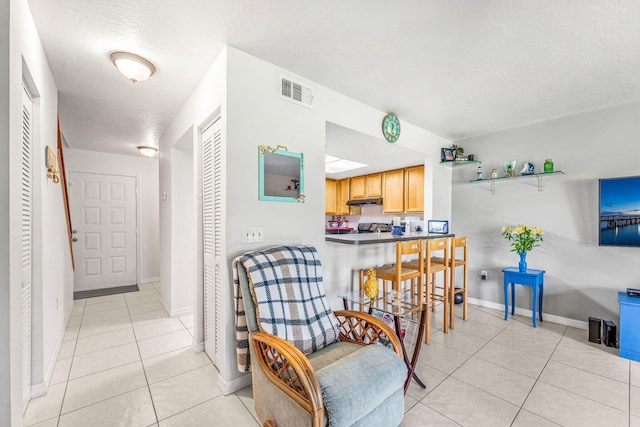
(448, 155)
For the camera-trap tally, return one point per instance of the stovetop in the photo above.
(372, 227)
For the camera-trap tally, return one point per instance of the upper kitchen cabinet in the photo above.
(342, 197)
(358, 188)
(414, 189)
(336, 198)
(330, 199)
(393, 198)
(366, 186)
(374, 185)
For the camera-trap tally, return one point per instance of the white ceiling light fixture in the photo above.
(147, 150)
(132, 66)
(336, 164)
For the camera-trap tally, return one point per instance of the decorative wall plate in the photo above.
(391, 127)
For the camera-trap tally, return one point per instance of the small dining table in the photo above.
(402, 310)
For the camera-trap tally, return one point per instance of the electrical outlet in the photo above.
(484, 275)
(252, 234)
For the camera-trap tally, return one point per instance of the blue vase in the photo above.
(522, 265)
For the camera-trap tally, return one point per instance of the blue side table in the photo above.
(533, 278)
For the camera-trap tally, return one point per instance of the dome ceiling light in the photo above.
(132, 66)
(147, 150)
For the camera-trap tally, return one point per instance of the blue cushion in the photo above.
(358, 383)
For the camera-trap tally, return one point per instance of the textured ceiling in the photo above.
(459, 68)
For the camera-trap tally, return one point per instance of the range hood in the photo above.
(362, 202)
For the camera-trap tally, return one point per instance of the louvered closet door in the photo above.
(212, 236)
(26, 179)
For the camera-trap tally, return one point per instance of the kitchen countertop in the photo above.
(370, 238)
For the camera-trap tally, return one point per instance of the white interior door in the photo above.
(26, 180)
(212, 204)
(103, 217)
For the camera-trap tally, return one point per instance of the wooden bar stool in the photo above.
(403, 279)
(406, 283)
(438, 248)
(435, 249)
(458, 242)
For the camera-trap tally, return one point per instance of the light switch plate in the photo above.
(253, 234)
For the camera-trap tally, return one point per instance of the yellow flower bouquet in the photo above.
(523, 238)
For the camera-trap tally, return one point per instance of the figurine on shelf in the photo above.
(458, 151)
(528, 168)
(510, 168)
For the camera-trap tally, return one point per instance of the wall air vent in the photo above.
(295, 92)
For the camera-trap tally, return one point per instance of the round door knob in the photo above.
(74, 239)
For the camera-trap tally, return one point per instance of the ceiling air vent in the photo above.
(295, 92)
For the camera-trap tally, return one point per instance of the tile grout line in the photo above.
(471, 385)
(450, 375)
(99, 401)
(66, 384)
(144, 371)
(538, 379)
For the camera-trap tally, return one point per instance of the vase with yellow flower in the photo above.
(523, 239)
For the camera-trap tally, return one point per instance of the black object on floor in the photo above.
(595, 325)
(609, 333)
(458, 298)
(106, 291)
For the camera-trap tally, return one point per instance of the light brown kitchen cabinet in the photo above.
(366, 186)
(414, 189)
(393, 197)
(330, 197)
(342, 197)
(374, 185)
(358, 189)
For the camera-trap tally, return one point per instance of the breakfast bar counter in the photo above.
(371, 238)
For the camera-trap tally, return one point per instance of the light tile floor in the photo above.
(125, 362)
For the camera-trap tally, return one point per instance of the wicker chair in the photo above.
(349, 382)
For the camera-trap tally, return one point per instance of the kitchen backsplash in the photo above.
(373, 213)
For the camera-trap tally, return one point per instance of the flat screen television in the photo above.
(620, 211)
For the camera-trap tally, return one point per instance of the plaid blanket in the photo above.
(242, 330)
(290, 299)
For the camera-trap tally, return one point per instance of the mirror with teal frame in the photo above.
(281, 175)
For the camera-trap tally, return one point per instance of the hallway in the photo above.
(125, 362)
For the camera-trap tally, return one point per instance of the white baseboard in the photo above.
(181, 311)
(198, 347)
(38, 390)
(524, 312)
(150, 280)
(235, 384)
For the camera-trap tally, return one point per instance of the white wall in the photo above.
(256, 115)
(52, 275)
(146, 172)
(183, 226)
(6, 315)
(207, 102)
(582, 279)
